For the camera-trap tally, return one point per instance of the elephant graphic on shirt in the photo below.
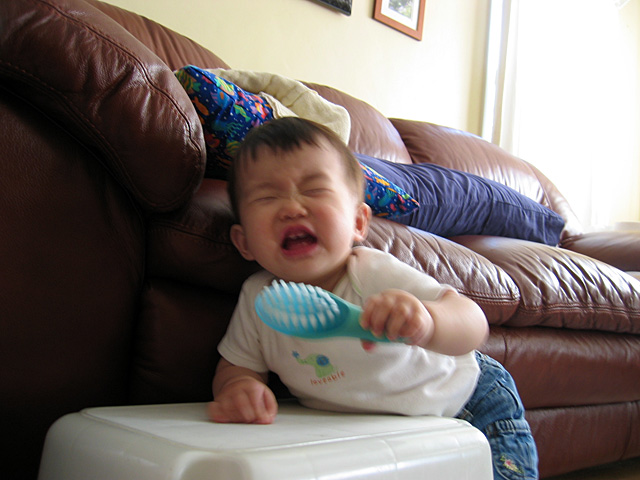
(319, 362)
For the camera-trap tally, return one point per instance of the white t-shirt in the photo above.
(337, 373)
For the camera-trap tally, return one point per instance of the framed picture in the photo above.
(406, 16)
(343, 6)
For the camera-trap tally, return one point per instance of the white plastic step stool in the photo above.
(177, 442)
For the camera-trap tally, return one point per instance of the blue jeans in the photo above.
(496, 410)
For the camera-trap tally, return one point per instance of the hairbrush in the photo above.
(310, 312)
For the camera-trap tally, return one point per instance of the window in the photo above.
(562, 93)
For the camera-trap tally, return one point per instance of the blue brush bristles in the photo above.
(309, 312)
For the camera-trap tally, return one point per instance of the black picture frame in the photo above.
(343, 6)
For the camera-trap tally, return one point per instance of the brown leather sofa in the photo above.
(117, 276)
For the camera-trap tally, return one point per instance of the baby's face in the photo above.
(299, 215)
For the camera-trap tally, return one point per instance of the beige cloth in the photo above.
(290, 97)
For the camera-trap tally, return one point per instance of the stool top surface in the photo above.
(187, 424)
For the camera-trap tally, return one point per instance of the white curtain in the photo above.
(562, 93)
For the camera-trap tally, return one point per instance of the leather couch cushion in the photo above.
(72, 263)
(558, 367)
(89, 74)
(590, 436)
(193, 244)
(562, 289)
(611, 247)
(174, 49)
(371, 132)
(178, 330)
(470, 274)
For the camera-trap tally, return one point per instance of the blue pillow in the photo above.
(458, 203)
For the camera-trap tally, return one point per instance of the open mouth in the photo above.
(297, 240)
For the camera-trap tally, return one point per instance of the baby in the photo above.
(297, 192)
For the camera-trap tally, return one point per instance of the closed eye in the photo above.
(315, 192)
(264, 199)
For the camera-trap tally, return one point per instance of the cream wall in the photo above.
(439, 79)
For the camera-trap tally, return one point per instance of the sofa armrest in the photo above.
(87, 73)
(174, 49)
(618, 248)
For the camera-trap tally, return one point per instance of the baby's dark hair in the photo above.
(285, 135)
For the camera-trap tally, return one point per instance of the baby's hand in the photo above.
(398, 315)
(244, 400)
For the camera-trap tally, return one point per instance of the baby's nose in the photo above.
(292, 207)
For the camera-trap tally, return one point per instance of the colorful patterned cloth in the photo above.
(385, 198)
(227, 113)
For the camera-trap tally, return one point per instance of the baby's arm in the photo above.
(241, 396)
(451, 325)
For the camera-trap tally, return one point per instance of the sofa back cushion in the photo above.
(371, 132)
(459, 150)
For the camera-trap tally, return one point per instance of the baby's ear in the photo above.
(239, 240)
(363, 217)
